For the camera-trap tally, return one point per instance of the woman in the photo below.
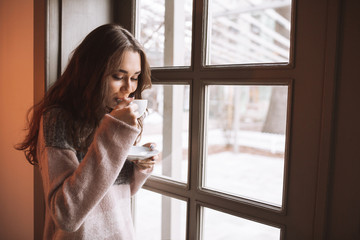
(80, 134)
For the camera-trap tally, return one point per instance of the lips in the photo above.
(118, 100)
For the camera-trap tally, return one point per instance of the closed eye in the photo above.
(116, 77)
(123, 74)
(136, 76)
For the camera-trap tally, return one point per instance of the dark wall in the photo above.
(344, 211)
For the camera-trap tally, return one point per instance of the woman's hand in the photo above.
(145, 163)
(125, 112)
(149, 162)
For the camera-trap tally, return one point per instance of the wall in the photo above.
(344, 209)
(16, 96)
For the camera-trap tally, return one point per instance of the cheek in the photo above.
(111, 90)
(134, 86)
(113, 87)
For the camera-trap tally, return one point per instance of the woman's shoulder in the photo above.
(57, 128)
(56, 117)
(55, 112)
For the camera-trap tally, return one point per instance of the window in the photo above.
(219, 136)
(159, 217)
(245, 141)
(241, 110)
(167, 124)
(234, 227)
(248, 31)
(165, 30)
(230, 114)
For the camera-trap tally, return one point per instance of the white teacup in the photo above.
(142, 105)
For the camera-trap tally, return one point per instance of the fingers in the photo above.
(125, 111)
(146, 163)
(123, 102)
(152, 146)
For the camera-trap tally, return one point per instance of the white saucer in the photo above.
(140, 153)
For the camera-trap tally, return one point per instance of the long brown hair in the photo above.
(81, 89)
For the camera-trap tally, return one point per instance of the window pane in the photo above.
(159, 217)
(218, 225)
(248, 31)
(167, 124)
(246, 141)
(165, 30)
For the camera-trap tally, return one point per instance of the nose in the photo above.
(126, 86)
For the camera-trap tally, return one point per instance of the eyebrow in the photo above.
(124, 71)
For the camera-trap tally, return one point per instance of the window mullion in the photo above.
(197, 35)
(196, 121)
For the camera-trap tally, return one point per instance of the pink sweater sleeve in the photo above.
(71, 189)
(139, 178)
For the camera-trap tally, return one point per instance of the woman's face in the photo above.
(124, 80)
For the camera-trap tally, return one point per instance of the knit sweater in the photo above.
(82, 200)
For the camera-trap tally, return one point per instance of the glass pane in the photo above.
(246, 141)
(167, 124)
(234, 228)
(159, 217)
(165, 30)
(248, 31)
